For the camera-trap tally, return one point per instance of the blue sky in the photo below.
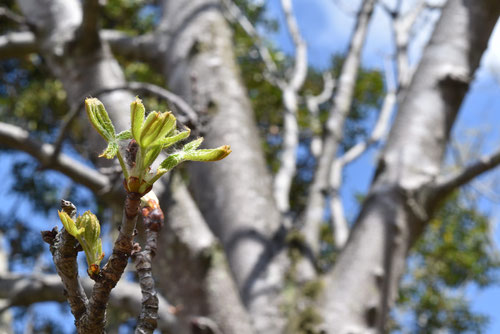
(326, 26)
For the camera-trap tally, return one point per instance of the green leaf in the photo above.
(137, 113)
(151, 155)
(208, 154)
(171, 161)
(193, 145)
(124, 135)
(99, 118)
(110, 151)
(168, 122)
(169, 141)
(148, 127)
(69, 224)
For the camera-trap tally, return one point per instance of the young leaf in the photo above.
(214, 154)
(169, 141)
(137, 113)
(99, 118)
(110, 151)
(124, 135)
(193, 145)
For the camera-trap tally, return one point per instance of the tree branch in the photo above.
(27, 289)
(152, 217)
(14, 17)
(64, 251)
(313, 103)
(17, 44)
(95, 319)
(19, 139)
(446, 184)
(132, 47)
(234, 13)
(88, 32)
(284, 176)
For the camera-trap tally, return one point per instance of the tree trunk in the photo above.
(364, 281)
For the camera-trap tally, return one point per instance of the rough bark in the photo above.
(364, 281)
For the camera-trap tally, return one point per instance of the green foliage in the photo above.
(455, 252)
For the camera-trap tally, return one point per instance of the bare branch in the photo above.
(313, 103)
(17, 44)
(234, 13)
(284, 176)
(19, 139)
(132, 47)
(447, 184)
(26, 289)
(14, 17)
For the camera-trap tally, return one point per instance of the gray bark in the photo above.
(364, 282)
(235, 194)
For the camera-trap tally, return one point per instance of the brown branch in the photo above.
(153, 220)
(111, 273)
(64, 251)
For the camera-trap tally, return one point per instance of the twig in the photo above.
(152, 216)
(64, 251)
(445, 185)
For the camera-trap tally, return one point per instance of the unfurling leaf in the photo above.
(99, 118)
(137, 113)
(208, 154)
(110, 151)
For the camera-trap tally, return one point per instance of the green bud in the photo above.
(99, 118)
(89, 239)
(69, 224)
